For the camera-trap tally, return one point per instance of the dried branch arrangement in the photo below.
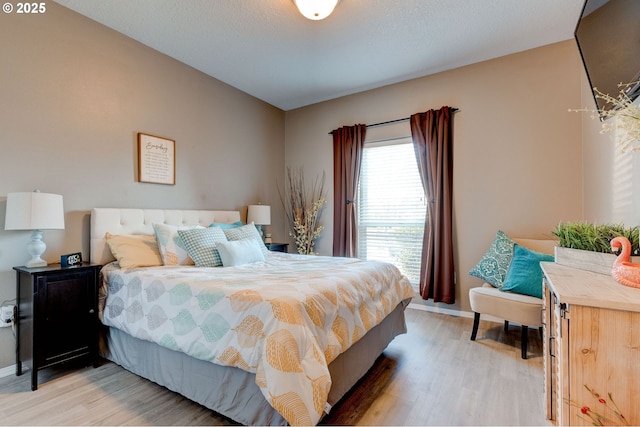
(303, 206)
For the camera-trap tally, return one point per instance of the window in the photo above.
(391, 206)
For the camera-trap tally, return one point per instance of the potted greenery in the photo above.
(588, 246)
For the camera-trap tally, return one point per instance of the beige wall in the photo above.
(517, 155)
(598, 158)
(74, 95)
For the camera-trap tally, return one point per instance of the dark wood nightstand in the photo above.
(278, 247)
(57, 316)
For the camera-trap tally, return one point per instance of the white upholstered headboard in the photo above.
(140, 221)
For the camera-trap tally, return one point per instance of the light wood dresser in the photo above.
(591, 339)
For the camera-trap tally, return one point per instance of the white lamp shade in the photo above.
(34, 211)
(259, 214)
(316, 9)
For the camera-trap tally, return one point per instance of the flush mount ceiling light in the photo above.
(316, 9)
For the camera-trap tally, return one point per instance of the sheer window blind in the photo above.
(391, 206)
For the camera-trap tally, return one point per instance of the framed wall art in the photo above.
(156, 159)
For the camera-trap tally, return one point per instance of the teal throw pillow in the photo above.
(525, 275)
(201, 245)
(494, 264)
(240, 252)
(225, 226)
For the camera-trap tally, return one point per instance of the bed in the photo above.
(245, 370)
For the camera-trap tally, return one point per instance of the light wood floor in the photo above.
(434, 375)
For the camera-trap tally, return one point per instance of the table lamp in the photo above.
(34, 211)
(260, 215)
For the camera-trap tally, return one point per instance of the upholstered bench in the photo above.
(511, 306)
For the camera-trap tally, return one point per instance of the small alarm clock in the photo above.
(70, 260)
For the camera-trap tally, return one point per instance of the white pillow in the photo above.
(246, 232)
(238, 252)
(171, 246)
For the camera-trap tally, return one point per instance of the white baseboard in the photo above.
(11, 370)
(451, 312)
(8, 371)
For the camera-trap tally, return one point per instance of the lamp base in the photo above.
(36, 248)
(36, 262)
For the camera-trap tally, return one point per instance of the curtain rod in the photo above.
(390, 122)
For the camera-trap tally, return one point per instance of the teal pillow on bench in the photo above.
(494, 264)
(525, 275)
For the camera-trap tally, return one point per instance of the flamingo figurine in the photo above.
(624, 271)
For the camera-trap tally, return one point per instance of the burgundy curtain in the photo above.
(347, 156)
(433, 144)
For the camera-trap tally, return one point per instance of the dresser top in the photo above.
(581, 287)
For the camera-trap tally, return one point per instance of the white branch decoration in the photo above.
(624, 117)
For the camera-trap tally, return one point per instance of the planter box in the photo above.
(587, 260)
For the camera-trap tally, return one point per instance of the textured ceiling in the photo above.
(267, 49)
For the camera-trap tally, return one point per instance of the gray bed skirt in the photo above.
(233, 392)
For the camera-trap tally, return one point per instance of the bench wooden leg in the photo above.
(524, 338)
(476, 322)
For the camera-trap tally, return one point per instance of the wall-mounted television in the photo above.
(608, 36)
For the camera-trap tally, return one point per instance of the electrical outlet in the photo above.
(6, 316)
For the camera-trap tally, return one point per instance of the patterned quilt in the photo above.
(284, 319)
